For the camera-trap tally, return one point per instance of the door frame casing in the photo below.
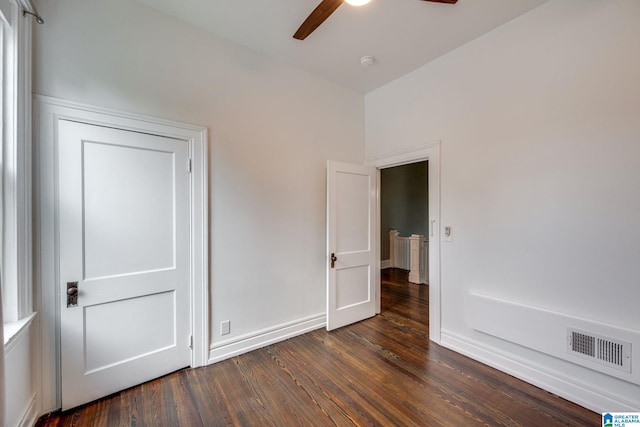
(431, 153)
(48, 112)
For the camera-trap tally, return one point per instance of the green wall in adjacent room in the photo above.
(404, 202)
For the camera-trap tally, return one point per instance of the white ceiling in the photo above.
(401, 35)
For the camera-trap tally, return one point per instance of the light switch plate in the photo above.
(447, 234)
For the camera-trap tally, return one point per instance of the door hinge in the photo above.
(191, 342)
(189, 165)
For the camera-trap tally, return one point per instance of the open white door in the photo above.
(124, 258)
(351, 238)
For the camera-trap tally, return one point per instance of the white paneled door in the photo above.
(351, 260)
(123, 214)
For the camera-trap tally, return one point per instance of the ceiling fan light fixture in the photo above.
(357, 2)
(327, 7)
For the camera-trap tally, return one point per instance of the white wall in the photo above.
(540, 128)
(272, 129)
(21, 376)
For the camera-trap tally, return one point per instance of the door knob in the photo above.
(72, 294)
(334, 258)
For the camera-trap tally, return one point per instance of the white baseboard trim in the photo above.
(570, 388)
(29, 417)
(243, 344)
(385, 263)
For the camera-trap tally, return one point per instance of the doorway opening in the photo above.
(404, 237)
(430, 153)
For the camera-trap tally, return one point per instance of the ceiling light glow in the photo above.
(357, 2)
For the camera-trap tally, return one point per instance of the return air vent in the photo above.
(599, 349)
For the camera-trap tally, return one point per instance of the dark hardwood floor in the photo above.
(379, 372)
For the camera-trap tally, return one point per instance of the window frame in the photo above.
(16, 171)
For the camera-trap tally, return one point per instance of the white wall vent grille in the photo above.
(583, 343)
(599, 349)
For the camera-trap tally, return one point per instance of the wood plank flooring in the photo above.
(379, 372)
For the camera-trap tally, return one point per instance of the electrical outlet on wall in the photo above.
(225, 327)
